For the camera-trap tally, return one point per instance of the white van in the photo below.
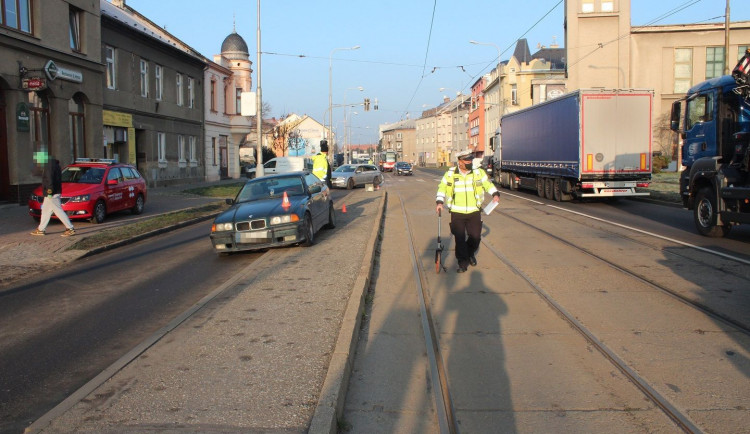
(283, 165)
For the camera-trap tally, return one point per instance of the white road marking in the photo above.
(682, 243)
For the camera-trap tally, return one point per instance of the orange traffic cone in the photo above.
(343, 209)
(285, 202)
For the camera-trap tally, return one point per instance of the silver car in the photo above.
(351, 175)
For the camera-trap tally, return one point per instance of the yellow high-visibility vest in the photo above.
(464, 193)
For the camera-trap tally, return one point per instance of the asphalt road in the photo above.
(59, 330)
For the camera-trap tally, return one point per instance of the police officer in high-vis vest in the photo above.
(321, 168)
(462, 191)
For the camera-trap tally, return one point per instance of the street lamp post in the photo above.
(348, 133)
(346, 109)
(330, 86)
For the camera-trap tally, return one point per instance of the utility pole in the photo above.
(259, 119)
(726, 40)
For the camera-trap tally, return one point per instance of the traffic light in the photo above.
(367, 104)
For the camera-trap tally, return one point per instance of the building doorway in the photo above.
(223, 158)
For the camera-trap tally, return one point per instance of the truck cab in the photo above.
(715, 131)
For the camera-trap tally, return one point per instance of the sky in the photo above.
(409, 49)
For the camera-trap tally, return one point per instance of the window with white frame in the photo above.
(161, 144)
(158, 82)
(191, 92)
(191, 150)
(714, 62)
(109, 56)
(683, 69)
(181, 148)
(213, 95)
(238, 100)
(74, 20)
(514, 94)
(178, 87)
(144, 78)
(608, 6)
(587, 6)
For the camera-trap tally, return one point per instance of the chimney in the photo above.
(446, 99)
(119, 3)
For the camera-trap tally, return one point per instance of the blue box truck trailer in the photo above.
(590, 143)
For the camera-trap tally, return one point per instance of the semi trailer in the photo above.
(590, 143)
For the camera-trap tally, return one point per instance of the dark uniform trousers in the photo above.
(467, 230)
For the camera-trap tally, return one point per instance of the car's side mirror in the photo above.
(315, 189)
(229, 201)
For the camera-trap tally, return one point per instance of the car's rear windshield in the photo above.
(83, 174)
(262, 188)
(345, 169)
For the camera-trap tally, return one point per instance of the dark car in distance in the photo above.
(93, 188)
(273, 211)
(403, 168)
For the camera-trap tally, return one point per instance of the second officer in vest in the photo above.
(462, 191)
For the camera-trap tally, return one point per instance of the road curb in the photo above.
(149, 234)
(330, 406)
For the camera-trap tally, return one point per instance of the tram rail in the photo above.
(441, 381)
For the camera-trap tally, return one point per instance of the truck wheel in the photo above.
(512, 181)
(540, 187)
(704, 214)
(549, 188)
(561, 196)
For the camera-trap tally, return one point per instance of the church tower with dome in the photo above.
(235, 56)
(227, 76)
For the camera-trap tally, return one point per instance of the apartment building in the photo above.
(402, 138)
(153, 98)
(603, 50)
(50, 89)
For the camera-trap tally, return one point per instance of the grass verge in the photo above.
(665, 186)
(132, 230)
(224, 191)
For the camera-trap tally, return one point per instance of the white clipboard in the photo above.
(490, 206)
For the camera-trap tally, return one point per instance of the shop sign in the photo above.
(53, 71)
(22, 117)
(33, 83)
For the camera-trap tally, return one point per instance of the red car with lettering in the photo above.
(93, 188)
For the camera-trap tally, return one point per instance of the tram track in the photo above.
(441, 382)
(441, 391)
(744, 328)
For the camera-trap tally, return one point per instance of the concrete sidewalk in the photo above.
(22, 255)
(269, 351)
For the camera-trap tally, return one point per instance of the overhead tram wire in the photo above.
(513, 44)
(424, 65)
